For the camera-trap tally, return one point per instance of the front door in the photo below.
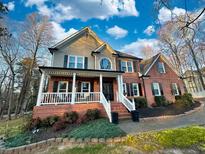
(108, 90)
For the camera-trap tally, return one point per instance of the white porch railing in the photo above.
(107, 106)
(127, 103)
(66, 98)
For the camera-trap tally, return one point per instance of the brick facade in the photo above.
(165, 79)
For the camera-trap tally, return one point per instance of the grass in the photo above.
(90, 149)
(9, 128)
(171, 138)
(100, 128)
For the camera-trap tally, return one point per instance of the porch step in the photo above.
(121, 110)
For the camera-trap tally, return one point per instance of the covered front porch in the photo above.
(70, 86)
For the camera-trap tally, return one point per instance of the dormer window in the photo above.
(161, 68)
(127, 66)
(105, 64)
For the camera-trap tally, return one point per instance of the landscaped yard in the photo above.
(185, 139)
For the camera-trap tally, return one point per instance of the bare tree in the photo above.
(35, 38)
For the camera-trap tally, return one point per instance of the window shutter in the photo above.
(131, 88)
(179, 89)
(91, 87)
(128, 89)
(135, 66)
(79, 87)
(119, 65)
(161, 90)
(86, 63)
(152, 86)
(158, 69)
(65, 61)
(70, 86)
(140, 88)
(172, 90)
(55, 86)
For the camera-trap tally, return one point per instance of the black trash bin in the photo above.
(135, 116)
(114, 117)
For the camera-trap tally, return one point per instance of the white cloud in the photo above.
(117, 32)
(60, 33)
(84, 10)
(149, 30)
(10, 5)
(137, 47)
(166, 15)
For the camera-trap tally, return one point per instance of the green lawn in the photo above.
(100, 128)
(12, 127)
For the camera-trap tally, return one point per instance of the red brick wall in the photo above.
(165, 79)
(50, 110)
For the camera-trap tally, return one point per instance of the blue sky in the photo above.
(129, 29)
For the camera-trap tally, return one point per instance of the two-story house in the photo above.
(87, 73)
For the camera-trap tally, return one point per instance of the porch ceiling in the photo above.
(58, 71)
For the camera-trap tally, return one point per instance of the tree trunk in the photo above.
(11, 93)
(196, 64)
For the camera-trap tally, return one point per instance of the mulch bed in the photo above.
(47, 133)
(172, 109)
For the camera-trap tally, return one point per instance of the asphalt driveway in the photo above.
(197, 118)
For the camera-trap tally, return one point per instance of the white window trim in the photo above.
(125, 88)
(126, 65)
(107, 59)
(175, 84)
(158, 88)
(82, 86)
(59, 86)
(137, 89)
(76, 58)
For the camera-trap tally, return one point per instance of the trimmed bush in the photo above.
(92, 114)
(161, 101)
(70, 117)
(178, 97)
(59, 125)
(53, 119)
(33, 123)
(186, 100)
(140, 102)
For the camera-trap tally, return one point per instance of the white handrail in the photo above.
(106, 105)
(66, 98)
(127, 103)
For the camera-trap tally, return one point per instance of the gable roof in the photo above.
(74, 36)
(125, 55)
(147, 64)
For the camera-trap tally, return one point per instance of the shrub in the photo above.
(186, 100)
(33, 123)
(178, 97)
(53, 119)
(161, 101)
(92, 114)
(140, 102)
(70, 117)
(59, 125)
(45, 122)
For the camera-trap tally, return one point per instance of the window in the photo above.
(135, 89)
(62, 86)
(85, 87)
(76, 62)
(123, 66)
(126, 66)
(105, 64)
(161, 68)
(175, 90)
(129, 66)
(124, 88)
(156, 89)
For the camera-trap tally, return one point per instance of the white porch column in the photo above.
(73, 89)
(101, 88)
(121, 83)
(40, 91)
(119, 87)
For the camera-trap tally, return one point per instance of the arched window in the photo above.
(105, 64)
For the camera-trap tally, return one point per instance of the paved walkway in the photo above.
(195, 118)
